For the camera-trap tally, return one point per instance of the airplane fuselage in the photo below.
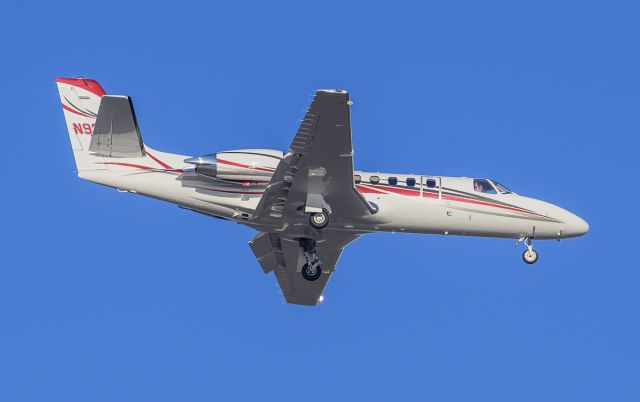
(404, 203)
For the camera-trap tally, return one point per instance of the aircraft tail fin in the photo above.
(100, 126)
(104, 133)
(80, 103)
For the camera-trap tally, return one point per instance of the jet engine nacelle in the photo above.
(242, 164)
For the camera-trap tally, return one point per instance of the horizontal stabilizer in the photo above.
(116, 133)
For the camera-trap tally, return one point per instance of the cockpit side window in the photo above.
(503, 189)
(483, 186)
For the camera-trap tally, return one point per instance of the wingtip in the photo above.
(333, 91)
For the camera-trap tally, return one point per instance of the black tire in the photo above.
(308, 274)
(319, 220)
(530, 258)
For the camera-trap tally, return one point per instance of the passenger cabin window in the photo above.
(483, 186)
(393, 181)
(411, 182)
(357, 178)
(374, 179)
(431, 183)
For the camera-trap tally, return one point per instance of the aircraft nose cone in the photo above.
(575, 226)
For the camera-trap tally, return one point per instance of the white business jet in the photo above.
(307, 204)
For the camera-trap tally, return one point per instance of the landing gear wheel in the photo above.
(530, 256)
(311, 273)
(319, 220)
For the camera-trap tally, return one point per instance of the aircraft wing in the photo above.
(284, 256)
(317, 173)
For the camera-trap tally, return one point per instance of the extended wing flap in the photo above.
(263, 248)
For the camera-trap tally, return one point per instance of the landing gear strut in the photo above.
(530, 256)
(312, 269)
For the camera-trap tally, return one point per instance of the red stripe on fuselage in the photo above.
(225, 162)
(133, 165)
(159, 162)
(368, 190)
(488, 204)
(410, 193)
(127, 165)
(416, 192)
(237, 192)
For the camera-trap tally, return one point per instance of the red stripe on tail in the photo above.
(90, 85)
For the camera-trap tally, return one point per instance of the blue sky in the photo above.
(112, 297)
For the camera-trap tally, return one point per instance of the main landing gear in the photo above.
(319, 220)
(311, 272)
(312, 269)
(530, 256)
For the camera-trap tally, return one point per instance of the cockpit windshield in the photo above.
(501, 188)
(483, 186)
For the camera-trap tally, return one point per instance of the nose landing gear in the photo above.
(530, 256)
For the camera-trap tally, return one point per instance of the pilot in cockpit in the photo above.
(483, 186)
(479, 186)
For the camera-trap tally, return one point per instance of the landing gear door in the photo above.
(431, 187)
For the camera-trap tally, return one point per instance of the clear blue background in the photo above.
(112, 297)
